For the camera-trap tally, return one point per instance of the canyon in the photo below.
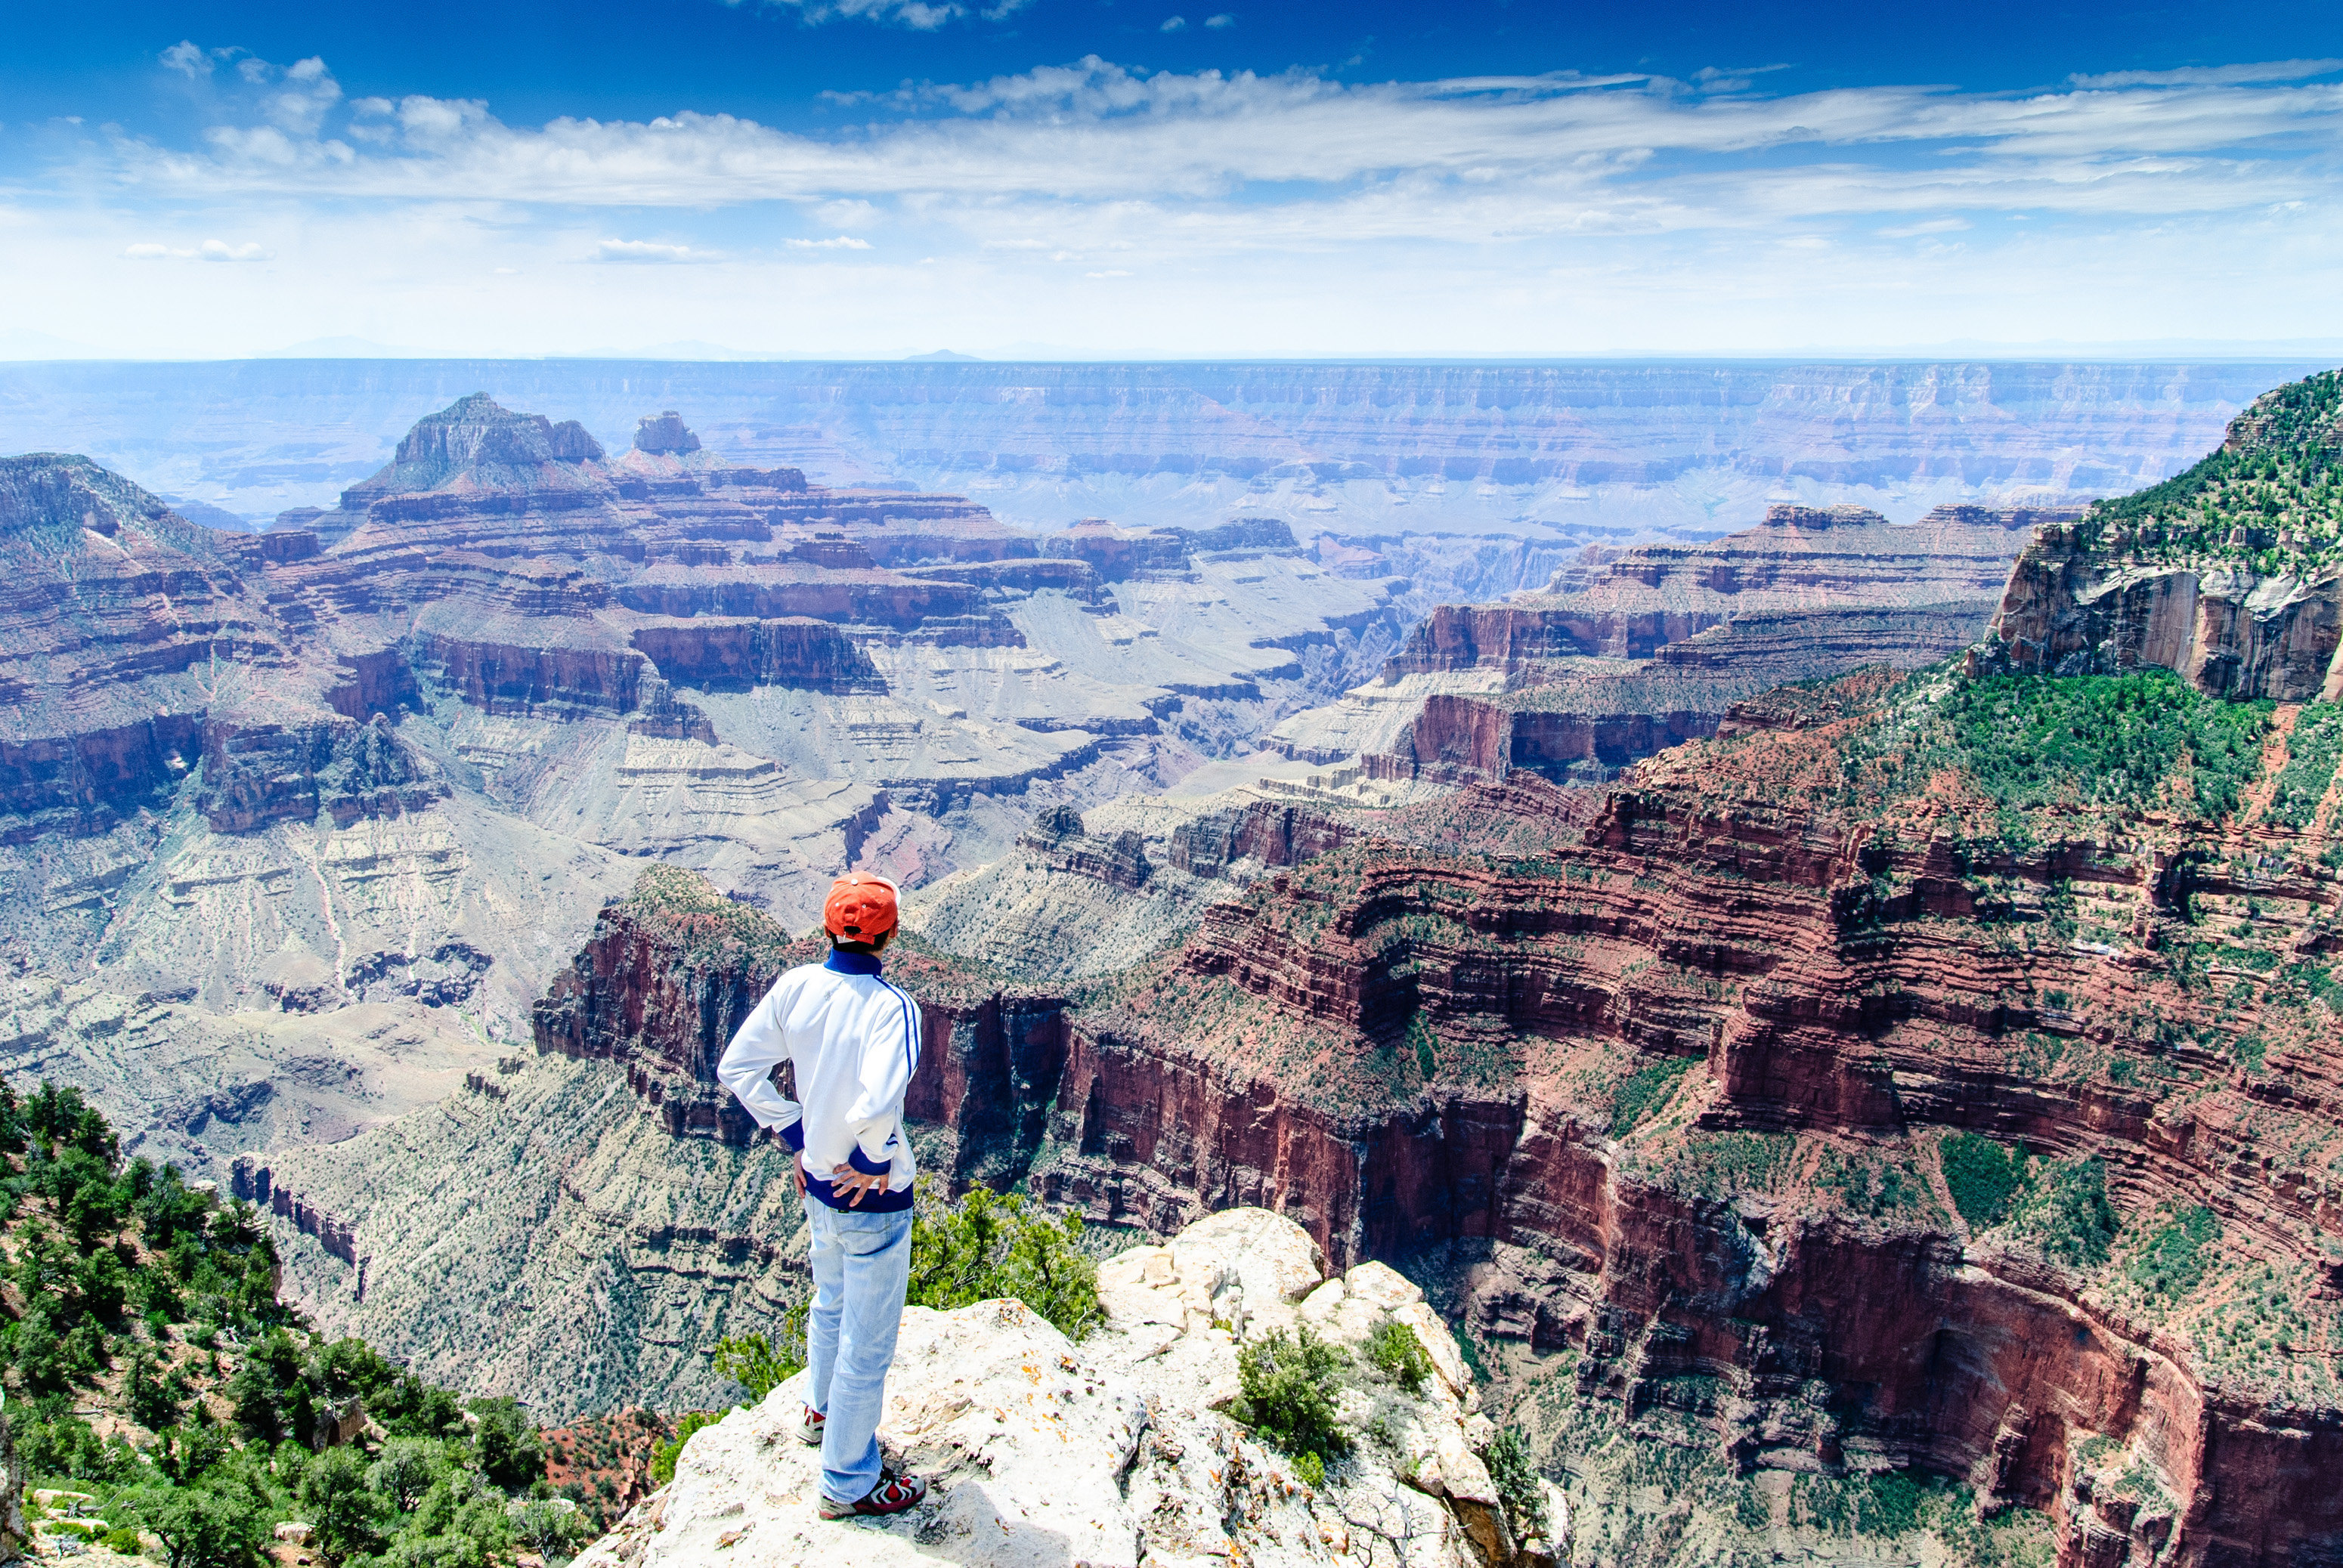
(1628, 652)
(1838, 1016)
(1374, 451)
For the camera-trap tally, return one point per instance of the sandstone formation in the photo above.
(1599, 450)
(1668, 1095)
(1628, 653)
(404, 750)
(2229, 574)
(1115, 1450)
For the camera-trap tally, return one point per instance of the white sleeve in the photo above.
(747, 1068)
(891, 1054)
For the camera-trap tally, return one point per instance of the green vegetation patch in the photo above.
(989, 1247)
(2110, 743)
(123, 1268)
(1983, 1177)
(2065, 1213)
(1288, 1385)
(1516, 1479)
(1393, 1350)
(2280, 478)
(1645, 1090)
(2174, 1259)
(2313, 748)
(1879, 1186)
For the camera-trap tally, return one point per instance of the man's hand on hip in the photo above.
(847, 1179)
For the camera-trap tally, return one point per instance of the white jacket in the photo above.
(855, 1041)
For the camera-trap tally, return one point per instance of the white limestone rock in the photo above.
(1112, 1452)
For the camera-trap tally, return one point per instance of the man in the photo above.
(854, 1041)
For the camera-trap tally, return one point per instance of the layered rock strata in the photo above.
(1627, 653)
(2231, 573)
(1671, 1092)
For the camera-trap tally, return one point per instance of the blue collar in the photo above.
(840, 961)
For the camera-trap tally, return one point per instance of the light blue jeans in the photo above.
(861, 1266)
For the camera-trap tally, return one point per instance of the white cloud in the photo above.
(921, 15)
(1934, 226)
(1110, 272)
(1173, 24)
(1278, 214)
(1223, 20)
(210, 250)
(651, 252)
(2212, 75)
(188, 58)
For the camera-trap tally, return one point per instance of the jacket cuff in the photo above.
(865, 1164)
(793, 1135)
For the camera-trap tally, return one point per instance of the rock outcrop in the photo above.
(1627, 653)
(1115, 1450)
(2231, 573)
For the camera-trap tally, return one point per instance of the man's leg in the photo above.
(877, 1266)
(828, 1303)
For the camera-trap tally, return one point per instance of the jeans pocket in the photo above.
(858, 1233)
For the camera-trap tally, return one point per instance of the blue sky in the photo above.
(1089, 178)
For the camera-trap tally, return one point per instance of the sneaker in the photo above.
(893, 1494)
(810, 1429)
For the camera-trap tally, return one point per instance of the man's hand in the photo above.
(846, 1178)
(797, 1166)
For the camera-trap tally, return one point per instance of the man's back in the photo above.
(853, 1042)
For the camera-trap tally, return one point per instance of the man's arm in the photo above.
(746, 1069)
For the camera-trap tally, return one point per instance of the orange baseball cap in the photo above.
(860, 908)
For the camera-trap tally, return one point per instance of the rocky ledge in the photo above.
(1118, 1448)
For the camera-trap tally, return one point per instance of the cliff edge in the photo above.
(1119, 1450)
(2231, 573)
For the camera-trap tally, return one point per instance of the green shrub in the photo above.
(505, 1446)
(1288, 1384)
(1644, 1090)
(2069, 1215)
(1310, 1469)
(664, 1457)
(1889, 1504)
(1393, 1350)
(2172, 1260)
(751, 1361)
(1982, 1176)
(989, 1247)
(1516, 1480)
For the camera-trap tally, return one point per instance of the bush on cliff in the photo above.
(1288, 1384)
(2065, 1211)
(988, 1246)
(1982, 1176)
(156, 1301)
(1515, 1476)
(2174, 1259)
(1393, 1350)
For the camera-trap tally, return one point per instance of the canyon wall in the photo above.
(1428, 448)
(2230, 573)
(1431, 1054)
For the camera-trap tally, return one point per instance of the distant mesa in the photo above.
(941, 357)
(664, 433)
